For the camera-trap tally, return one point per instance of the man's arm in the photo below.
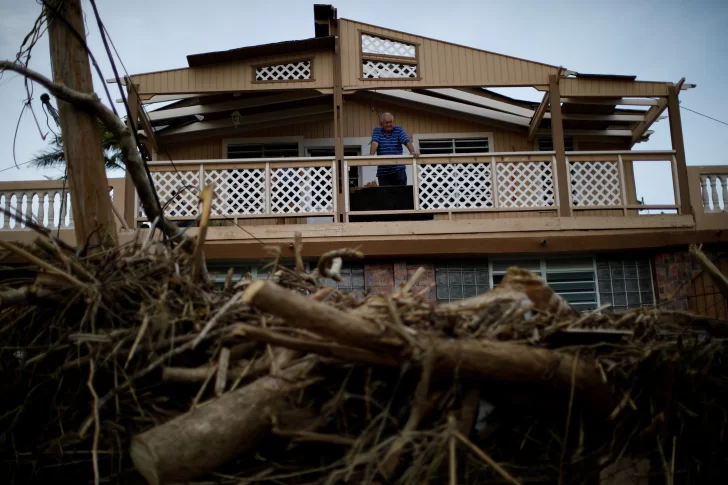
(373, 148)
(404, 140)
(411, 149)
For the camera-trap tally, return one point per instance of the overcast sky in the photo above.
(655, 40)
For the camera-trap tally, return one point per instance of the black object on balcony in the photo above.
(387, 198)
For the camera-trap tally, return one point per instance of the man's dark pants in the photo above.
(397, 178)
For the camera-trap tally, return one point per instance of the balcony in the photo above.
(454, 197)
(602, 183)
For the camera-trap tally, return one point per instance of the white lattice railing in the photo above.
(251, 188)
(714, 192)
(473, 183)
(598, 180)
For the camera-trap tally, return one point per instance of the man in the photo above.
(388, 140)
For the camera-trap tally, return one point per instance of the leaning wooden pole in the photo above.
(90, 203)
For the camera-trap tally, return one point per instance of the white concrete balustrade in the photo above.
(47, 207)
(714, 191)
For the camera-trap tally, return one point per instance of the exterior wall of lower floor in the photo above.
(670, 279)
(681, 283)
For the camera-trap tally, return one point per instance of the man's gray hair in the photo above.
(381, 116)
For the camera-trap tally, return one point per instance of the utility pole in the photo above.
(90, 202)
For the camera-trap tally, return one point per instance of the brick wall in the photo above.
(679, 277)
(383, 278)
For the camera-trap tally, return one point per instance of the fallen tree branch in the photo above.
(129, 152)
(198, 442)
(719, 279)
(502, 361)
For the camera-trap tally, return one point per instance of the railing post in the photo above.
(52, 209)
(557, 136)
(714, 194)
(623, 186)
(724, 185)
(415, 185)
(704, 183)
(678, 145)
(41, 207)
(268, 194)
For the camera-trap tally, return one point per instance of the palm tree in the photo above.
(53, 156)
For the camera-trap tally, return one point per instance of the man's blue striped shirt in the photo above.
(390, 144)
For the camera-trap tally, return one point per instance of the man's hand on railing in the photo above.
(415, 154)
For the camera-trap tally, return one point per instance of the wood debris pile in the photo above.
(128, 363)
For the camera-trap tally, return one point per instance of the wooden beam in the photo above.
(538, 116)
(678, 145)
(340, 193)
(167, 114)
(480, 100)
(148, 129)
(591, 132)
(93, 218)
(593, 117)
(132, 121)
(247, 120)
(652, 114)
(612, 101)
(557, 137)
(484, 113)
(610, 88)
(247, 126)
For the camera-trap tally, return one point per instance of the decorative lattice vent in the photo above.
(377, 45)
(291, 71)
(376, 69)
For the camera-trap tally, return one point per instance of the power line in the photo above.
(704, 116)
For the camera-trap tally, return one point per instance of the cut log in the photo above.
(198, 442)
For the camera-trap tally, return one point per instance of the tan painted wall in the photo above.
(234, 76)
(440, 63)
(360, 118)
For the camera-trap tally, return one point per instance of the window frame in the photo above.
(226, 142)
(454, 136)
(543, 270)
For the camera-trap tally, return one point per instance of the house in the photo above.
(283, 132)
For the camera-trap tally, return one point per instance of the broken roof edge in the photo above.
(262, 50)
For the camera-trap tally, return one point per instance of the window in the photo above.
(352, 279)
(571, 278)
(437, 146)
(625, 283)
(262, 150)
(456, 280)
(547, 144)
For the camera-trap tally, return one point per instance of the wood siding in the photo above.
(234, 76)
(440, 64)
(360, 118)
